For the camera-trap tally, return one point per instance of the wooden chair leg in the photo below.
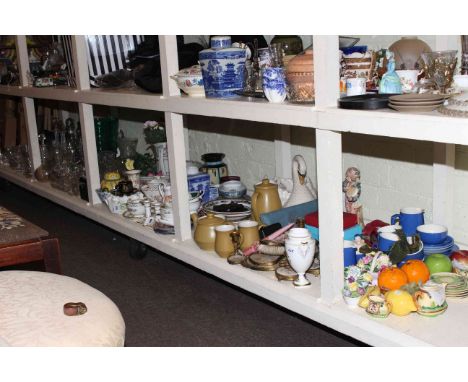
(51, 250)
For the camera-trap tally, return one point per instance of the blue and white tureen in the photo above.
(222, 68)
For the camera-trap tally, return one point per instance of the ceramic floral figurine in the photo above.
(352, 191)
(390, 83)
(361, 246)
(373, 263)
(356, 280)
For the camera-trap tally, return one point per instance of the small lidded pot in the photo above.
(300, 77)
(205, 233)
(190, 81)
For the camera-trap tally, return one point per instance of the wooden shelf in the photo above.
(432, 126)
(321, 302)
(412, 330)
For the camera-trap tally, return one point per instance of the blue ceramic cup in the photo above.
(349, 253)
(386, 240)
(410, 218)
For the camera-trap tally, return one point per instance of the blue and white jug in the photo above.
(222, 68)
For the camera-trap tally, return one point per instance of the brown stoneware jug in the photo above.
(265, 199)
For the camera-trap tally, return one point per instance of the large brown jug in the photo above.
(265, 199)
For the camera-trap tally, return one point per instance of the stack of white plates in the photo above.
(416, 102)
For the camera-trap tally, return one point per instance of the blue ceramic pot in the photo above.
(223, 71)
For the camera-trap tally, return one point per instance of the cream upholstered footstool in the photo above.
(31, 312)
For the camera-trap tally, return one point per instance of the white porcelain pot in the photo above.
(190, 81)
(300, 255)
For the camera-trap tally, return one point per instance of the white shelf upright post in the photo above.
(329, 171)
(80, 61)
(175, 140)
(29, 111)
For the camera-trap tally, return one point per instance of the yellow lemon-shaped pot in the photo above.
(402, 302)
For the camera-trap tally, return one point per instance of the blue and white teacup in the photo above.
(410, 218)
(386, 240)
(274, 84)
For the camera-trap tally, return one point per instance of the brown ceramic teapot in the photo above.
(205, 233)
(265, 199)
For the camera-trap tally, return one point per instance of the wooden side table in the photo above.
(22, 242)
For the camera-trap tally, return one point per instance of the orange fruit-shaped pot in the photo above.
(416, 271)
(392, 278)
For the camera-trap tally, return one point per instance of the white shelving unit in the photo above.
(321, 302)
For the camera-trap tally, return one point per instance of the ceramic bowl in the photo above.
(190, 81)
(419, 255)
(432, 233)
(232, 189)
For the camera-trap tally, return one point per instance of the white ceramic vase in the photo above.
(300, 250)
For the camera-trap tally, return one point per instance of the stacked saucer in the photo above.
(446, 247)
(416, 102)
(457, 286)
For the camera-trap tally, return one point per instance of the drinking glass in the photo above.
(439, 66)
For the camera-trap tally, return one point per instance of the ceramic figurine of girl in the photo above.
(352, 191)
(390, 83)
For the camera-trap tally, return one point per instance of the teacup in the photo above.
(167, 215)
(136, 208)
(249, 230)
(224, 246)
(378, 307)
(410, 218)
(386, 241)
(431, 299)
(355, 86)
(408, 79)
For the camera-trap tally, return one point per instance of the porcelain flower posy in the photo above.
(356, 280)
(154, 132)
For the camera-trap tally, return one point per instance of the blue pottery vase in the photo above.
(223, 71)
(274, 84)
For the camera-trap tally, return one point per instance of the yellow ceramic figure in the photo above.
(110, 181)
(402, 302)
